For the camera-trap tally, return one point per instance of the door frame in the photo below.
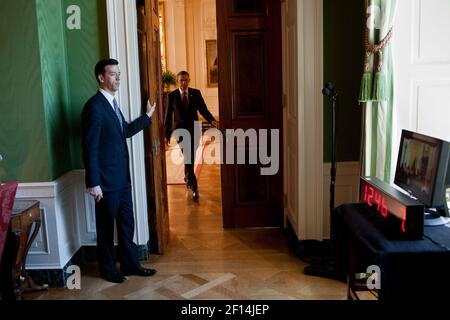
(122, 29)
(307, 219)
(123, 46)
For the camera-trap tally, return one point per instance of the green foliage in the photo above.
(168, 78)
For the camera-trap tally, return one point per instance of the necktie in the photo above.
(117, 111)
(185, 101)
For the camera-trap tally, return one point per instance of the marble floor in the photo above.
(206, 262)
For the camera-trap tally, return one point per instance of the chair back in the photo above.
(7, 196)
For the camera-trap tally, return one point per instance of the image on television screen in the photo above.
(417, 167)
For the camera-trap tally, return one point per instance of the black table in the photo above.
(409, 268)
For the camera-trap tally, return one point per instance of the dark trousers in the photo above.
(116, 206)
(189, 162)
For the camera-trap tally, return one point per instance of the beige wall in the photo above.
(175, 35)
(189, 23)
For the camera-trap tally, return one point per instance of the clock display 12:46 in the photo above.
(376, 199)
(401, 213)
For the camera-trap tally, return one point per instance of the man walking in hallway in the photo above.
(183, 106)
(106, 160)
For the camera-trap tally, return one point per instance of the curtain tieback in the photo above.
(378, 48)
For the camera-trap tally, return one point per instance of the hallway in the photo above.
(204, 261)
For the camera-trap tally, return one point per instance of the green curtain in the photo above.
(377, 90)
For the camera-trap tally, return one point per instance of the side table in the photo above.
(24, 227)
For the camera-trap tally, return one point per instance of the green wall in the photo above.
(47, 75)
(23, 143)
(54, 84)
(344, 22)
(85, 48)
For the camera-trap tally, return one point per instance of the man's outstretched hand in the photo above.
(150, 108)
(214, 123)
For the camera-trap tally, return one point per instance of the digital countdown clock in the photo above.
(399, 212)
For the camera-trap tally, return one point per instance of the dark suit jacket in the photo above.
(182, 118)
(105, 151)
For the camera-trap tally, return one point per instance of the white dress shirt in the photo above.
(187, 93)
(109, 97)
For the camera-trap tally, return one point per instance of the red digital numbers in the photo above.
(384, 209)
(381, 203)
(378, 200)
(403, 220)
(370, 194)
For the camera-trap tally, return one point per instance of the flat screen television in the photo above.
(423, 170)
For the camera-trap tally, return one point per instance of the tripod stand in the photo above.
(325, 266)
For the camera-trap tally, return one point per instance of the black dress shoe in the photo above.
(187, 183)
(142, 272)
(195, 195)
(114, 277)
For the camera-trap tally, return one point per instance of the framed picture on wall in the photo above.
(211, 64)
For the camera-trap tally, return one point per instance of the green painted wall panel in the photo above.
(343, 64)
(22, 123)
(85, 47)
(47, 75)
(54, 84)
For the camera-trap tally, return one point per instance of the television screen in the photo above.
(417, 165)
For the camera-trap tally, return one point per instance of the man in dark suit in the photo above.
(183, 105)
(106, 160)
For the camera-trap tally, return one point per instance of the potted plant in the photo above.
(168, 79)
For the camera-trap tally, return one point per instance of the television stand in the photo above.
(433, 218)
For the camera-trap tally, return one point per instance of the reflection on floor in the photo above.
(204, 261)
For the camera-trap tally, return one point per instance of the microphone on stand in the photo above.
(326, 267)
(329, 91)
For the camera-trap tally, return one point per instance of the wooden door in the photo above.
(250, 96)
(290, 90)
(151, 88)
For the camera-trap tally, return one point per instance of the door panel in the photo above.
(290, 112)
(249, 63)
(250, 90)
(249, 7)
(151, 88)
(422, 81)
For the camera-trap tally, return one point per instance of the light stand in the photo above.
(329, 91)
(325, 267)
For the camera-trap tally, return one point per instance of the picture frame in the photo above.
(212, 74)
